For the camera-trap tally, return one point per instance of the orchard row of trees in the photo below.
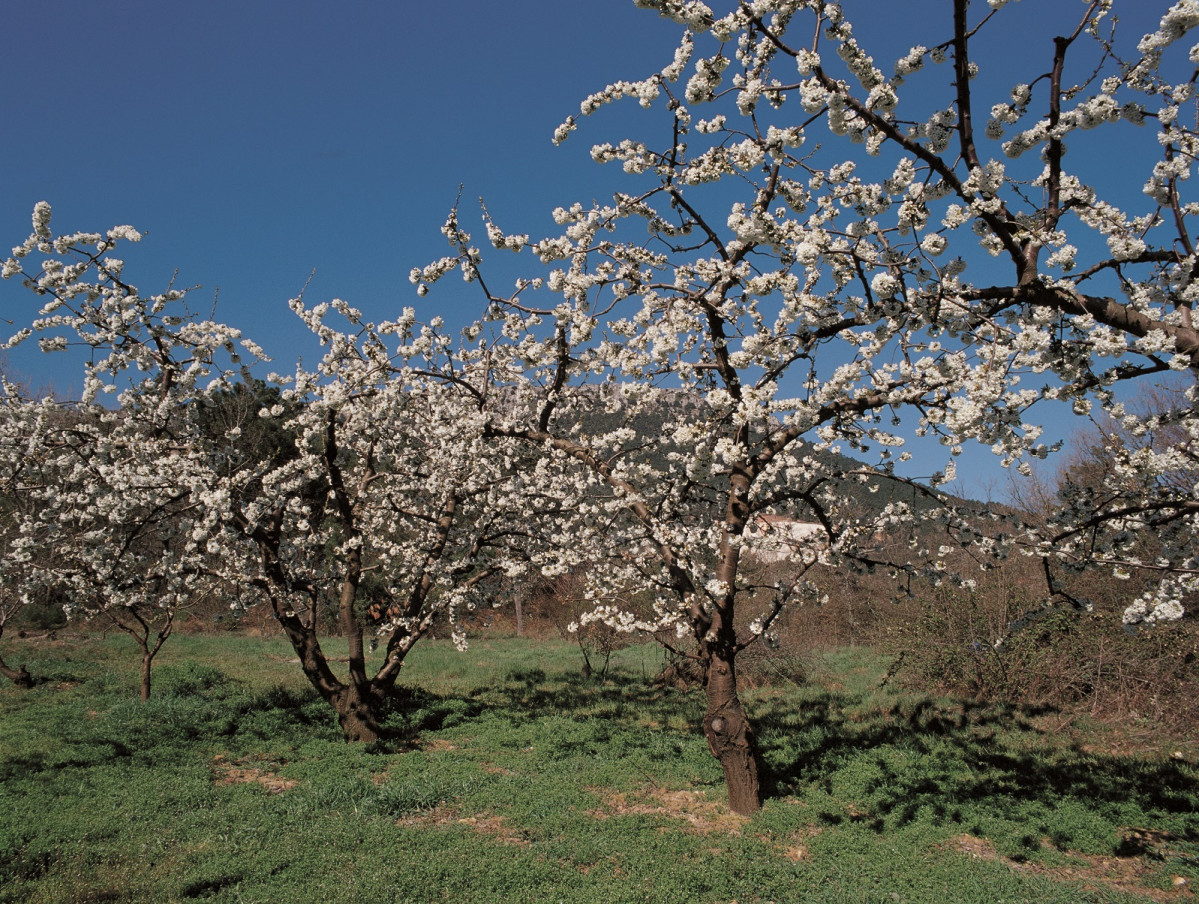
(833, 246)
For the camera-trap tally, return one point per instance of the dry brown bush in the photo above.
(1005, 641)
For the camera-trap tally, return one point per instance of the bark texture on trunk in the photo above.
(358, 703)
(731, 738)
(358, 715)
(147, 660)
(19, 676)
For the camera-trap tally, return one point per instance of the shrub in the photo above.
(1084, 662)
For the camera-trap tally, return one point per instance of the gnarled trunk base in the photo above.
(731, 738)
(18, 676)
(358, 716)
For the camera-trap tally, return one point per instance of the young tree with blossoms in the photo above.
(397, 506)
(109, 501)
(391, 507)
(838, 246)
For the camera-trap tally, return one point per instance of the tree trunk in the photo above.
(358, 715)
(18, 676)
(147, 659)
(730, 736)
(357, 711)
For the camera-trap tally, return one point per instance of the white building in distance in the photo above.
(775, 538)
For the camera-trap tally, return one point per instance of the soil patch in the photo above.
(796, 849)
(240, 772)
(484, 824)
(699, 814)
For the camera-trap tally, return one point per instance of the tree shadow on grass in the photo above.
(530, 694)
(917, 760)
(49, 766)
(411, 711)
(925, 760)
(575, 716)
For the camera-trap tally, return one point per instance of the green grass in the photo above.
(513, 779)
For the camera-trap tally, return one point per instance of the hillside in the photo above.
(654, 418)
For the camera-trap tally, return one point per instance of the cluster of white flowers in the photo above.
(884, 284)
(498, 240)
(1150, 609)
(1178, 20)
(691, 13)
(912, 61)
(703, 84)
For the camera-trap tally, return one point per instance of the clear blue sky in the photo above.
(255, 141)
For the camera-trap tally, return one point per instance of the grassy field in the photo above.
(518, 780)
